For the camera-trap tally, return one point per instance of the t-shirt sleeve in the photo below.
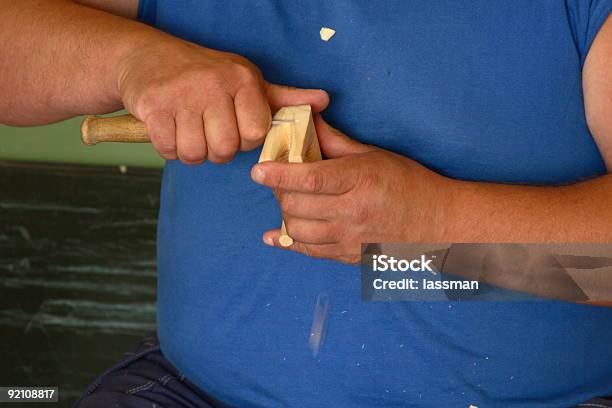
(586, 18)
(147, 12)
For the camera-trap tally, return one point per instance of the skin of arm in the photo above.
(123, 8)
(597, 86)
(60, 59)
(365, 194)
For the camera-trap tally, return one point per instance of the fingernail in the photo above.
(257, 174)
(269, 241)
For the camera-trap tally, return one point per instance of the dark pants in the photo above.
(145, 379)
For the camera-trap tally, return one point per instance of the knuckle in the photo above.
(369, 179)
(192, 156)
(309, 234)
(224, 158)
(246, 74)
(260, 128)
(226, 149)
(286, 202)
(154, 96)
(324, 234)
(246, 145)
(168, 155)
(163, 145)
(191, 162)
(253, 132)
(165, 149)
(352, 259)
(212, 78)
(361, 214)
(281, 180)
(313, 182)
(167, 152)
(218, 159)
(185, 110)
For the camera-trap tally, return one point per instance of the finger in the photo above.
(253, 115)
(310, 206)
(325, 251)
(280, 95)
(308, 231)
(336, 144)
(221, 130)
(322, 177)
(190, 140)
(161, 130)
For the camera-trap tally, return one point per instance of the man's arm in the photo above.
(487, 212)
(578, 213)
(366, 194)
(597, 85)
(123, 8)
(60, 59)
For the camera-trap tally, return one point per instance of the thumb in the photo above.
(280, 95)
(335, 144)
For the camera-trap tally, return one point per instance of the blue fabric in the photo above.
(478, 90)
(147, 11)
(586, 18)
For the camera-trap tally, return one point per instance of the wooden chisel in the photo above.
(122, 129)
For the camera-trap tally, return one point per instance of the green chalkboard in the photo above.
(61, 143)
(77, 272)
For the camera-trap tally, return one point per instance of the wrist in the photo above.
(450, 201)
(137, 47)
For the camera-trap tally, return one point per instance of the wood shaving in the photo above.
(327, 33)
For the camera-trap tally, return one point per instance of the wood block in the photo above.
(293, 140)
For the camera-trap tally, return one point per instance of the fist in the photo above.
(361, 194)
(199, 103)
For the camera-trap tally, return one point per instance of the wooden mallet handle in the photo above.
(124, 129)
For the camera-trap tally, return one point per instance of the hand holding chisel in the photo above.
(122, 129)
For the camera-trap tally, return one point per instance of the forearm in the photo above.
(59, 59)
(486, 212)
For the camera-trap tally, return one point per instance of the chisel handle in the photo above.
(124, 129)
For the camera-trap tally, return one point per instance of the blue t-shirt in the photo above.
(479, 90)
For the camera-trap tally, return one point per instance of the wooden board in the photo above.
(294, 141)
